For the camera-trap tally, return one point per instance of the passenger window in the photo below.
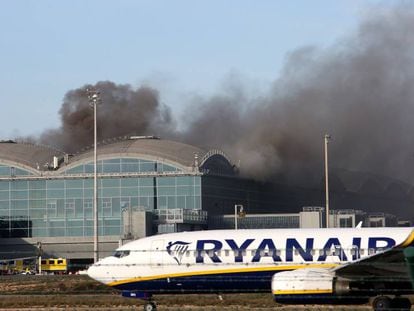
(362, 251)
(226, 252)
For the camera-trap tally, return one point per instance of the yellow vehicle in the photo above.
(14, 266)
(55, 265)
(11, 266)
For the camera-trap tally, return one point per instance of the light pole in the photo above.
(327, 138)
(236, 211)
(94, 100)
(39, 254)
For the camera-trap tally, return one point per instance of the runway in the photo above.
(110, 302)
(75, 292)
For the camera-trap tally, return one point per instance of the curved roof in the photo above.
(172, 151)
(368, 182)
(28, 155)
(39, 158)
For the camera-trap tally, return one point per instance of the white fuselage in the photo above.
(235, 260)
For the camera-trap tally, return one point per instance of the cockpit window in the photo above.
(120, 254)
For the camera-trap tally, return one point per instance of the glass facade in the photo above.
(63, 207)
(346, 222)
(123, 165)
(11, 171)
(257, 222)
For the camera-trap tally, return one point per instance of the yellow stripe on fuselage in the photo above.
(222, 271)
(302, 292)
(409, 240)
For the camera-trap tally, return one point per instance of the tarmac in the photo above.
(204, 308)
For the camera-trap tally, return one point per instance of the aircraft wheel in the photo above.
(150, 306)
(382, 303)
(401, 304)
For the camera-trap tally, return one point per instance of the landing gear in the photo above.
(385, 303)
(381, 303)
(149, 303)
(150, 306)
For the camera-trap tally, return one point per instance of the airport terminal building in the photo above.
(145, 186)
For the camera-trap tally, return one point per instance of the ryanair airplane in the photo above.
(336, 265)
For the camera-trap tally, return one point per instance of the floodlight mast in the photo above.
(94, 100)
(327, 137)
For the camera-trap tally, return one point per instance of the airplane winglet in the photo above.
(359, 225)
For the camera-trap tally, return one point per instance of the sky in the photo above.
(183, 48)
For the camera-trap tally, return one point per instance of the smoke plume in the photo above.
(359, 90)
(122, 111)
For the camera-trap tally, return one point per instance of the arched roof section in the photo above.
(31, 157)
(216, 161)
(368, 183)
(174, 153)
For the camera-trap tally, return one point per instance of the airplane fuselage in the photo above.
(235, 260)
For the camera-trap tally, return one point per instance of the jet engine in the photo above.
(310, 285)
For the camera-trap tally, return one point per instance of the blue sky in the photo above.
(180, 47)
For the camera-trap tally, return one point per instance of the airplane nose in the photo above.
(95, 272)
(92, 272)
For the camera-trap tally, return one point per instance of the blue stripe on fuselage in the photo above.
(229, 282)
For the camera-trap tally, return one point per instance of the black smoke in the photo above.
(360, 90)
(123, 110)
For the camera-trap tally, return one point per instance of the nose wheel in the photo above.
(150, 306)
